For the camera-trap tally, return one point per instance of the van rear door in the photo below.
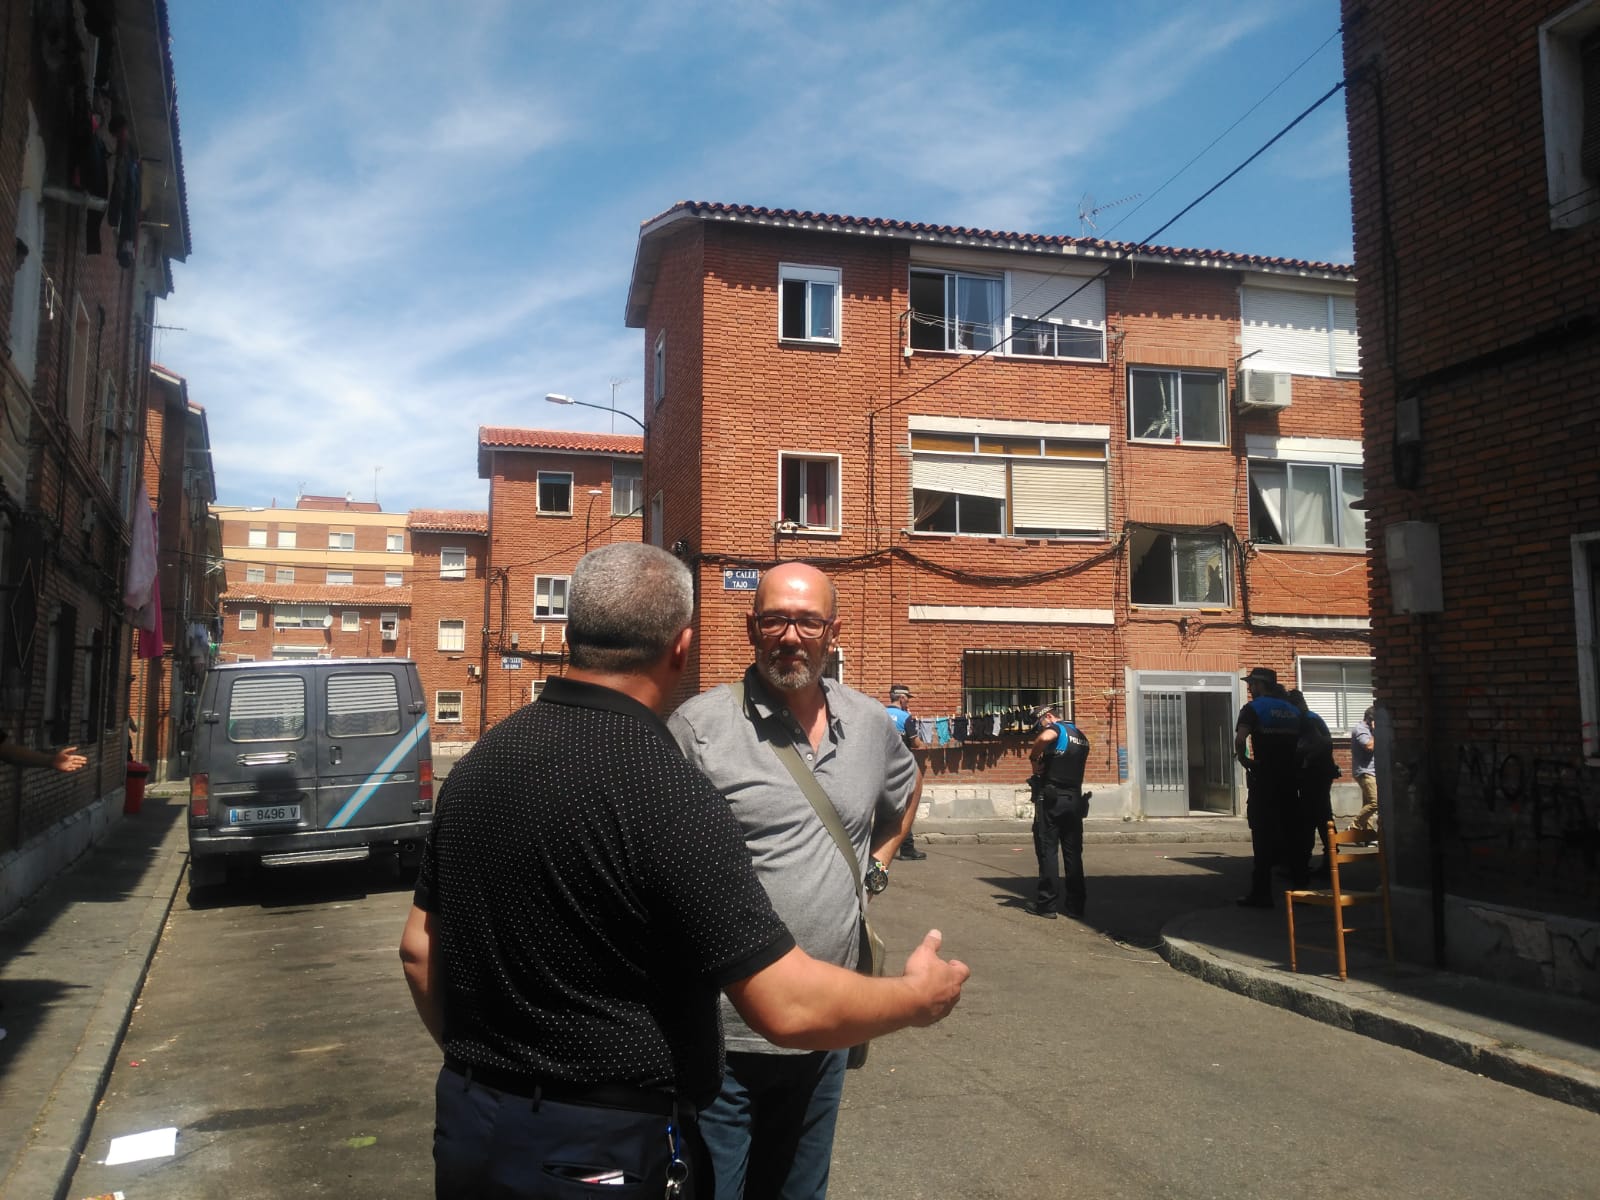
(264, 768)
(369, 772)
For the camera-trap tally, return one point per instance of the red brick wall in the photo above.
(434, 599)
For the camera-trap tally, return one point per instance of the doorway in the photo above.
(1185, 725)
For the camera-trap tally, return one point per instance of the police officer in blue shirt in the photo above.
(1059, 806)
(1264, 740)
(899, 709)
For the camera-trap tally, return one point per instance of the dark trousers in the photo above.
(1270, 811)
(489, 1143)
(1059, 834)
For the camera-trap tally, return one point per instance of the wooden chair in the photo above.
(1339, 898)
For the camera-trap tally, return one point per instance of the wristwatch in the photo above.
(877, 877)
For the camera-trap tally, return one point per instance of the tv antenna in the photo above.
(1088, 210)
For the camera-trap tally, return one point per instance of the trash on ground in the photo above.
(135, 1147)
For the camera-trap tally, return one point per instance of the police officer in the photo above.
(1058, 755)
(899, 708)
(1264, 740)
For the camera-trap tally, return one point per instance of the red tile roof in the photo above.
(346, 596)
(447, 520)
(559, 439)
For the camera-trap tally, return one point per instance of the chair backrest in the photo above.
(1351, 839)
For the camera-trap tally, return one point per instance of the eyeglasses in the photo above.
(774, 625)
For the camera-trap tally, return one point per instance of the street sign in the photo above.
(740, 579)
(509, 662)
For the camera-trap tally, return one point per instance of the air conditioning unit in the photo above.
(390, 635)
(1263, 391)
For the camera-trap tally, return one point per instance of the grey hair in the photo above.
(629, 601)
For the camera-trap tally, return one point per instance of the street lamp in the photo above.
(558, 398)
(594, 493)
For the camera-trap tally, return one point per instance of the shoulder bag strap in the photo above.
(826, 812)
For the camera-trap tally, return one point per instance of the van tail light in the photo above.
(425, 783)
(200, 794)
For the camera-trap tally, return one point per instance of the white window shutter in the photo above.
(963, 476)
(1059, 495)
(1035, 294)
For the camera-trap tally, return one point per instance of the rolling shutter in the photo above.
(1034, 294)
(961, 476)
(1059, 495)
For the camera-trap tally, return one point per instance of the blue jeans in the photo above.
(770, 1129)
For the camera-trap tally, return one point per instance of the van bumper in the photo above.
(211, 843)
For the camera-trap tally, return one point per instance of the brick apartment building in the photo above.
(449, 548)
(92, 192)
(1475, 169)
(552, 496)
(178, 476)
(1036, 467)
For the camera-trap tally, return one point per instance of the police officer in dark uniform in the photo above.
(1059, 806)
(1265, 740)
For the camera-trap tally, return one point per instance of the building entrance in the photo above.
(1185, 738)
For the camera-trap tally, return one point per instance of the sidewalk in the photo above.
(73, 960)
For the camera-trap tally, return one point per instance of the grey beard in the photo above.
(788, 678)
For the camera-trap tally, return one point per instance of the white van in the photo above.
(310, 760)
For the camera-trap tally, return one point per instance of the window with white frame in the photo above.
(961, 482)
(29, 233)
(452, 635)
(555, 491)
(1057, 316)
(350, 621)
(627, 488)
(1586, 596)
(808, 303)
(955, 310)
(1177, 406)
(1180, 569)
(394, 579)
(344, 539)
(1338, 690)
(255, 574)
(389, 625)
(294, 652)
(550, 596)
(808, 491)
(658, 519)
(1307, 504)
(257, 538)
(244, 658)
(1301, 332)
(1569, 68)
(395, 543)
(282, 574)
(80, 382)
(301, 616)
(447, 708)
(247, 618)
(536, 689)
(658, 370)
(453, 562)
(286, 539)
(341, 578)
(997, 681)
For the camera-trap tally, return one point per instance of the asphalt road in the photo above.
(276, 1034)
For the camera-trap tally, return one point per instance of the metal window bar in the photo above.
(1164, 756)
(994, 681)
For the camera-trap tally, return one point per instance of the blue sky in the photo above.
(413, 218)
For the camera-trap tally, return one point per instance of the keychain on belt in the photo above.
(677, 1169)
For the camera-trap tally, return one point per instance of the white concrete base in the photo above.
(23, 872)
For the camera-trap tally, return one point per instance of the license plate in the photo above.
(271, 814)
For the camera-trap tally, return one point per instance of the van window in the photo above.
(362, 705)
(270, 709)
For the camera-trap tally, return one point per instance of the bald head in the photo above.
(799, 608)
(789, 582)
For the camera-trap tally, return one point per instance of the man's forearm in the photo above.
(420, 964)
(885, 843)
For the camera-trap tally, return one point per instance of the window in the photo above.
(1304, 333)
(80, 382)
(960, 483)
(1057, 316)
(286, 539)
(350, 621)
(296, 652)
(244, 658)
(555, 491)
(453, 562)
(658, 370)
(344, 540)
(395, 543)
(808, 491)
(255, 574)
(953, 311)
(536, 689)
(266, 708)
(550, 596)
(1176, 406)
(389, 625)
(1179, 568)
(362, 705)
(1586, 594)
(627, 488)
(283, 574)
(341, 578)
(394, 579)
(658, 517)
(111, 419)
(1306, 504)
(301, 616)
(29, 276)
(453, 635)
(1338, 690)
(247, 618)
(998, 681)
(257, 538)
(447, 708)
(808, 303)
(1569, 63)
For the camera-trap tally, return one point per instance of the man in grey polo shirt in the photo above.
(770, 1130)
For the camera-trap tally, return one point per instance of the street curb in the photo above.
(47, 1165)
(935, 835)
(1513, 1065)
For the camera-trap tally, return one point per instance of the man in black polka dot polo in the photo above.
(584, 894)
(770, 1130)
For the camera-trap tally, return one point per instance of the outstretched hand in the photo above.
(68, 759)
(936, 981)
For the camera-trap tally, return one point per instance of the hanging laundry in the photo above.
(942, 730)
(926, 730)
(959, 729)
